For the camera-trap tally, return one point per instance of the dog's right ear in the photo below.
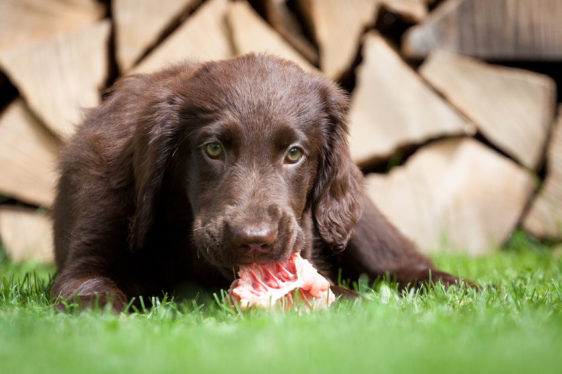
(157, 114)
(156, 138)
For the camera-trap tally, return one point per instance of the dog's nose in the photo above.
(254, 239)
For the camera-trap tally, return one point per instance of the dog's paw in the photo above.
(94, 293)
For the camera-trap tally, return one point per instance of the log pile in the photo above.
(459, 148)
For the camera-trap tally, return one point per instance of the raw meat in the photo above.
(266, 285)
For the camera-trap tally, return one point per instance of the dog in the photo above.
(181, 176)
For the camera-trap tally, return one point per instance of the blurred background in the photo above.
(454, 118)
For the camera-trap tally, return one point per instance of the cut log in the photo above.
(60, 76)
(454, 195)
(251, 34)
(139, 23)
(412, 10)
(28, 155)
(26, 234)
(512, 108)
(338, 26)
(204, 36)
(24, 21)
(499, 29)
(286, 24)
(544, 219)
(392, 107)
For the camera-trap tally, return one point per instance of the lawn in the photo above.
(513, 325)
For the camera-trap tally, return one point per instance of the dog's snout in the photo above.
(255, 239)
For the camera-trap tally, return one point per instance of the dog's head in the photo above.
(261, 150)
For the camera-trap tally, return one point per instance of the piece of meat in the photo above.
(267, 285)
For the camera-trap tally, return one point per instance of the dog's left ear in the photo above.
(338, 192)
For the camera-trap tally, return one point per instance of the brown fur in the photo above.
(141, 209)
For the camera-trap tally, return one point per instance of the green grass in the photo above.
(514, 325)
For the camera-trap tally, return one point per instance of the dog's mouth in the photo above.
(280, 253)
(233, 264)
(262, 259)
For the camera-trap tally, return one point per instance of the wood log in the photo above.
(544, 219)
(499, 29)
(251, 34)
(203, 36)
(391, 107)
(28, 156)
(512, 108)
(24, 21)
(412, 10)
(60, 76)
(338, 26)
(285, 23)
(139, 24)
(26, 234)
(454, 195)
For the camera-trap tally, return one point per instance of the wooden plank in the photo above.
(544, 219)
(39, 19)
(454, 195)
(413, 10)
(286, 24)
(251, 34)
(392, 107)
(499, 29)
(512, 108)
(139, 23)
(26, 234)
(338, 26)
(204, 36)
(28, 156)
(60, 76)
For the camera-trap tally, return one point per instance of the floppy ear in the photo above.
(338, 193)
(156, 139)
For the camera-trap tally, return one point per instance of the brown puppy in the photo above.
(181, 176)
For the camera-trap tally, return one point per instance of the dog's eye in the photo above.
(213, 150)
(294, 155)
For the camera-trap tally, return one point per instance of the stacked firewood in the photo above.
(458, 148)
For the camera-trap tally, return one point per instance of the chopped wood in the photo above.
(26, 234)
(24, 21)
(392, 107)
(139, 24)
(499, 29)
(203, 36)
(544, 219)
(338, 26)
(454, 195)
(252, 34)
(285, 23)
(28, 156)
(412, 10)
(60, 76)
(512, 108)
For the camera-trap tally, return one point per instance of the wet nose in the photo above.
(254, 239)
